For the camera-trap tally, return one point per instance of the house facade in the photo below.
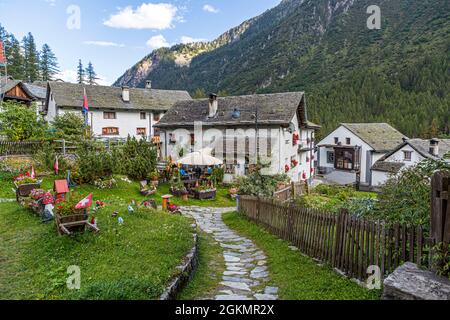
(353, 148)
(15, 90)
(407, 154)
(114, 113)
(242, 129)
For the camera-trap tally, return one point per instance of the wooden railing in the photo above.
(345, 242)
(290, 192)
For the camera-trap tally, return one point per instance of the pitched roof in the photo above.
(103, 97)
(276, 109)
(8, 83)
(380, 136)
(385, 166)
(61, 186)
(37, 91)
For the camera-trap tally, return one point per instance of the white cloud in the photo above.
(187, 39)
(52, 3)
(67, 76)
(158, 16)
(209, 8)
(157, 42)
(104, 44)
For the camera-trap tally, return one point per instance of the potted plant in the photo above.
(204, 191)
(154, 178)
(66, 213)
(24, 184)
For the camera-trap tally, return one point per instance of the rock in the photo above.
(236, 285)
(231, 297)
(293, 248)
(265, 297)
(271, 290)
(408, 282)
(231, 259)
(234, 273)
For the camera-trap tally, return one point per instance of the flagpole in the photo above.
(5, 65)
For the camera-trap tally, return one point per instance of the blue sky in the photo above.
(115, 34)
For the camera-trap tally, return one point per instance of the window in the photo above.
(336, 140)
(348, 141)
(330, 157)
(143, 116)
(157, 132)
(192, 139)
(109, 115)
(110, 131)
(156, 118)
(141, 131)
(407, 155)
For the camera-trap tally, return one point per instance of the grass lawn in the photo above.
(298, 277)
(211, 265)
(123, 192)
(132, 261)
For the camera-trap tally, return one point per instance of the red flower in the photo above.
(286, 168)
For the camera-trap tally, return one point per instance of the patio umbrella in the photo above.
(200, 158)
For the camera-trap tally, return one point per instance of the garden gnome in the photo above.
(120, 221)
(130, 209)
(94, 221)
(115, 214)
(48, 213)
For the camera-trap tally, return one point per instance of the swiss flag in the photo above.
(2, 54)
(85, 203)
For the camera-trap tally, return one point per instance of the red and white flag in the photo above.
(2, 54)
(85, 203)
(33, 174)
(56, 166)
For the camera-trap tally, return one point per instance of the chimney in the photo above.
(434, 147)
(148, 84)
(126, 94)
(213, 105)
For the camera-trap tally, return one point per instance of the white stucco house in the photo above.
(114, 113)
(408, 154)
(353, 148)
(238, 128)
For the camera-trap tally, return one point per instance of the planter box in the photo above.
(24, 190)
(178, 193)
(73, 223)
(204, 195)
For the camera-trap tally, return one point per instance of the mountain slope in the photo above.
(324, 46)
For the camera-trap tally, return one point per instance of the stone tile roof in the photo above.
(390, 167)
(104, 97)
(423, 147)
(273, 109)
(38, 92)
(380, 136)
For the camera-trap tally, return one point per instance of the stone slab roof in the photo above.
(380, 136)
(273, 109)
(390, 167)
(103, 97)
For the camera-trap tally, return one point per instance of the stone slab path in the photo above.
(246, 274)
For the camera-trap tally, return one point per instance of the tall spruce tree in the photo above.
(48, 63)
(91, 75)
(80, 73)
(16, 62)
(31, 58)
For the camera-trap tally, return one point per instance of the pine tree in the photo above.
(31, 58)
(91, 75)
(48, 63)
(16, 63)
(80, 73)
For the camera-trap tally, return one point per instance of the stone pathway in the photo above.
(246, 273)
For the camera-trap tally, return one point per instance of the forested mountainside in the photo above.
(399, 74)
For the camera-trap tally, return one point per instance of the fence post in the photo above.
(64, 147)
(440, 212)
(258, 205)
(340, 238)
(292, 190)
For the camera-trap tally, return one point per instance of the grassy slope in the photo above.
(209, 273)
(133, 261)
(298, 277)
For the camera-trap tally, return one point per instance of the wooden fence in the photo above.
(290, 192)
(13, 148)
(347, 243)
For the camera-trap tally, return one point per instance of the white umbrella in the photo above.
(200, 158)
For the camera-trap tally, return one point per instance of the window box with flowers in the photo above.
(294, 163)
(287, 168)
(295, 139)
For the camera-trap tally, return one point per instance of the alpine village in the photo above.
(300, 156)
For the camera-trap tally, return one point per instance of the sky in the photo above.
(116, 34)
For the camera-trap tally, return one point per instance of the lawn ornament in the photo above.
(130, 209)
(174, 209)
(94, 221)
(56, 166)
(120, 220)
(151, 204)
(115, 214)
(69, 180)
(48, 214)
(61, 188)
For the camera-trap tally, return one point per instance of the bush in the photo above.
(136, 159)
(69, 126)
(405, 198)
(260, 185)
(94, 163)
(19, 122)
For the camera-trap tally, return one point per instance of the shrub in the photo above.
(94, 163)
(257, 184)
(19, 122)
(137, 159)
(69, 126)
(405, 198)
